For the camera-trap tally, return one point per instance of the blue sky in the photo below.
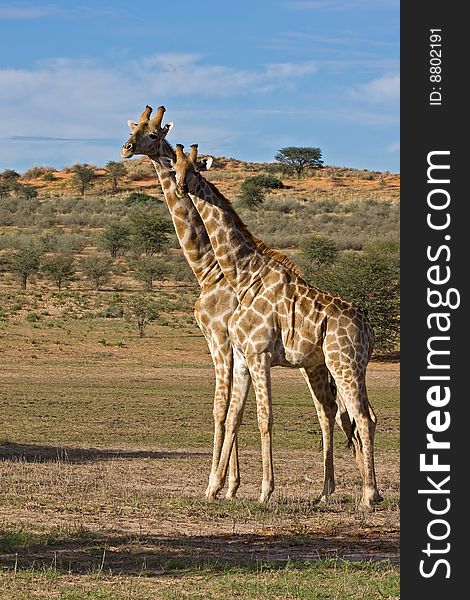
(242, 79)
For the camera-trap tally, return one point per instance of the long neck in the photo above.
(235, 249)
(189, 227)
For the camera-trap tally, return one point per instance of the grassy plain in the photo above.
(105, 448)
(106, 438)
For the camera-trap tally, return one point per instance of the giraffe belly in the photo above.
(297, 356)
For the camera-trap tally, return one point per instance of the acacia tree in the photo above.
(59, 268)
(97, 269)
(299, 158)
(142, 310)
(115, 238)
(149, 269)
(114, 172)
(150, 231)
(25, 262)
(84, 175)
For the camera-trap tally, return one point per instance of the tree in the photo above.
(115, 238)
(25, 262)
(28, 192)
(114, 172)
(251, 194)
(9, 176)
(299, 158)
(317, 253)
(142, 310)
(149, 269)
(97, 269)
(84, 175)
(59, 268)
(149, 231)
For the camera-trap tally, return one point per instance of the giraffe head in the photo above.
(146, 134)
(185, 164)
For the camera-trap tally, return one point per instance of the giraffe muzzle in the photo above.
(128, 150)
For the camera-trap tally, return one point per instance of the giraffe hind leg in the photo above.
(352, 389)
(323, 397)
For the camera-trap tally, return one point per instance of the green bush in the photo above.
(267, 181)
(317, 253)
(251, 194)
(97, 269)
(59, 269)
(370, 279)
(25, 262)
(139, 198)
(141, 310)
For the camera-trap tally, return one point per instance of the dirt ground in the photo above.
(92, 481)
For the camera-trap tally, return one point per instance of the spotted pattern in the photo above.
(280, 319)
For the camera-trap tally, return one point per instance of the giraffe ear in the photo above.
(132, 125)
(167, 162)
(204, 164)
(168, 127)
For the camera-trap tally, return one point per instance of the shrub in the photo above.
(371, 280)
(115, 238)
(251, 194)
(97, 269)
(138, 198)
(38, 171)
(150, 231)
(149, 269)
(142, 310)
(25, 262)
(317, 253)
(267, 181)
(59, 269)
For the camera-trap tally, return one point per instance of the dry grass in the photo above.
(105, 456)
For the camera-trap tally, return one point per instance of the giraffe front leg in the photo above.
(260, 371)
(240, 386)
(233, 472)
(222, 358)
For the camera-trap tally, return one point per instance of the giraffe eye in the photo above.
(153, 136)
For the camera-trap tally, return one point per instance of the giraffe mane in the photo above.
(279, 257)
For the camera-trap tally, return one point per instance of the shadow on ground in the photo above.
(166, 554)
(37, 453)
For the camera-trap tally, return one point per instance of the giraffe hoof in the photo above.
(231, 494)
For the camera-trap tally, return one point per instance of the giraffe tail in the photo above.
(351, 434)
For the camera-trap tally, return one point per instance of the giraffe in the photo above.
(217, 300)
(283, 320)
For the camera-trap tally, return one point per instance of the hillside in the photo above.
(351, 208)
(227, 175)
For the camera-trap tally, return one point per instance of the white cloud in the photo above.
(385, 89)
(77, 103)
(71, 98)
(21, 12)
